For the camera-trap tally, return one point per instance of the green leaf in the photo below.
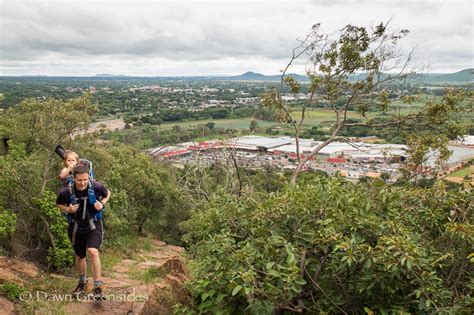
(403, 261)
(270, 265)
(236, 290)
(300, 281)
(204, 296)
(368, 263)
(274, 273)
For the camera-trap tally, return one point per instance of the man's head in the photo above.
(81, 177)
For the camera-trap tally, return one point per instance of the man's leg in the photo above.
(79, 245)
(81, 265)
(95, 263)
(94, 241)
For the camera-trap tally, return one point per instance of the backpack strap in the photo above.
(91, 193)
(92, 200)
(91, 171)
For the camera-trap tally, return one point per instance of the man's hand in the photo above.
(72, 208)
(98, 205)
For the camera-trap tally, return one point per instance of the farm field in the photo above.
(463, 172)
(312, 118)
(316, 116)
(458, 176)
(410, 108)
(238, 123)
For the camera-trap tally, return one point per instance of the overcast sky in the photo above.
(185, 37)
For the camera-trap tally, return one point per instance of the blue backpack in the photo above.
(90, 190)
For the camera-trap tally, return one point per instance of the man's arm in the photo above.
(104, 200)
(63, 204)
(99, 205)
(68, 209)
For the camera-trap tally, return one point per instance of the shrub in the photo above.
(331, 246)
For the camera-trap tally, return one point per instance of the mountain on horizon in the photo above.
(253, 76)
(249, 75)
(464, 76)
(107, 75)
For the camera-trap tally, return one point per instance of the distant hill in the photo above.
(252, 76)
(465, 76)
(107, 75)
(460, 77)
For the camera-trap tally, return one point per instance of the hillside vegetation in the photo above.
(259, 241)
(257, 244)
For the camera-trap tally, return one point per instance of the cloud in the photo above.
(170, 31)
(161, 36)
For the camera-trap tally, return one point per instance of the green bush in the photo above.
(11, 290)
(328, 246)
(7, 223)
(61, 255)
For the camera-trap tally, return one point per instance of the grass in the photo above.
(315, 117)
(237, 123)
(55, 288)
(147, 245)
(410, 108)
(469, 170)
(322, 117)
(126, 242)
(312, 118)
(110, 258)
(43, 307)
(149, 275)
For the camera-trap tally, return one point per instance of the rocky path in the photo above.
(149, 283)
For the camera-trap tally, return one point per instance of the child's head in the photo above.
(70, 158)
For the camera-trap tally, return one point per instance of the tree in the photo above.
(210, 125)
(28, 171)
(351, 71)
(145, 196)
(253, 125)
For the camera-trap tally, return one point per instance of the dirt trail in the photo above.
(149, 283)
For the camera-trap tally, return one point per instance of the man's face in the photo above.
(81, 181)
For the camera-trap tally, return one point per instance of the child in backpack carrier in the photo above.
(71, 159)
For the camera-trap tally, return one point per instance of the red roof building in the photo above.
(336, 160)
(175, 153)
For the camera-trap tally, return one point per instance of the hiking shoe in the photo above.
(98, 294)
(80, 289)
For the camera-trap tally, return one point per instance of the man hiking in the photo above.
(83, 203)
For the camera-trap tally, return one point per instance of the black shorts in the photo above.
(85, 238)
